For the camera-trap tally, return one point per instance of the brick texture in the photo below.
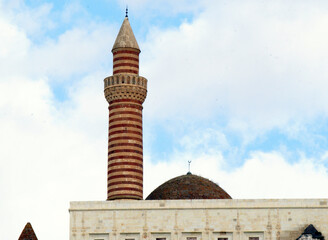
(188, 187)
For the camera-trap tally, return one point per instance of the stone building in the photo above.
(187, 207)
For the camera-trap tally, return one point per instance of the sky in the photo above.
(239, 88)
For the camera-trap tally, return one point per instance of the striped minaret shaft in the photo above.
(125, 92)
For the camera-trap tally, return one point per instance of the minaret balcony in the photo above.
(125, 86)
(125, 79)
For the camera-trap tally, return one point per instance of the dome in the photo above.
(188, 187)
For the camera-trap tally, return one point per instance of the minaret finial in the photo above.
(188, 173)
(126, 11)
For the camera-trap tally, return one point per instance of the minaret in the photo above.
(125, 92)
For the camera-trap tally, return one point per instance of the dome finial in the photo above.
(189, 173)
(126, 11)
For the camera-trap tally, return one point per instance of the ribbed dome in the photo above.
(188, 187)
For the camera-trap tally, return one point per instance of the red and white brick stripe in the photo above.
(126, 61)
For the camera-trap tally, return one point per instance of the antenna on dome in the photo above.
(189, 173)
(126, 11)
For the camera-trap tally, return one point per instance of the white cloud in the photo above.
(48, 160)
(259, 64)
(81, 51)
(34, 21)
(52, 153)
(72, 10)
(270, 175)
(204, 139)
(77, 51)
(14, 47)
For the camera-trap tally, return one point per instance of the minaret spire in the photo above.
(125, 93)
(125, 38)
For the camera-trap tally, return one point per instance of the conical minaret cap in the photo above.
(125, 37)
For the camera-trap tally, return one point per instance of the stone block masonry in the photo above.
(210, 219)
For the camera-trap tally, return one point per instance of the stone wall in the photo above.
(197, 219)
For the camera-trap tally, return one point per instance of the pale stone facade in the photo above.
(197, 219)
